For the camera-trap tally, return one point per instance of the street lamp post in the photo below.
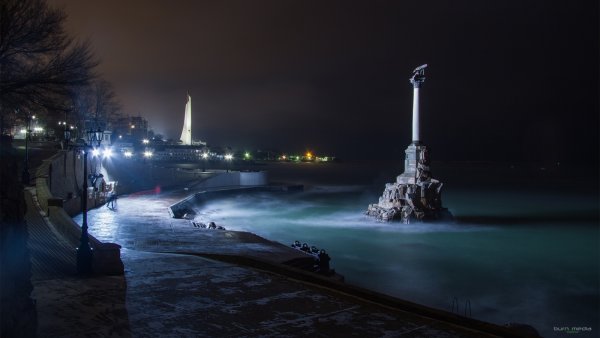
(228, 158)
(64, 129)
(67, 136)
(25, 177)
(84, 251)
(204, 158)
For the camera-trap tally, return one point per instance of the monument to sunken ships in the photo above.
(416, 195)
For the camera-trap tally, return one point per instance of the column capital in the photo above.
(417, 81)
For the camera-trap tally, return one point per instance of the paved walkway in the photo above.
(171, 295)
(180, 295)
(68, 305)
(142, 222)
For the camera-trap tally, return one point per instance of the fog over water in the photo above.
(524, 246)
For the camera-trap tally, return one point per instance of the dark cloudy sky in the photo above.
(507, 80)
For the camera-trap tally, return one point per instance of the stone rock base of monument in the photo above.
(407, 214)
(410, 203)
(415, 196)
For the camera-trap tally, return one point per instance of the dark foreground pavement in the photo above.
(172, 295)
(182, 295)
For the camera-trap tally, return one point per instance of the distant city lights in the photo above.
(307, 157)
(202, 155)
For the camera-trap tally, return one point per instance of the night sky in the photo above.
(507, 80)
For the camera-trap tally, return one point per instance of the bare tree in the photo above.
(39, 63)
(39, 67)
(95, 102)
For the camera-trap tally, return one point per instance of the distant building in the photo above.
(132, 128)
(179, 154)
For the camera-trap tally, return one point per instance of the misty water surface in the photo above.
(517, 252)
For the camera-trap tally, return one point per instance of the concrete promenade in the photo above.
(169, 290)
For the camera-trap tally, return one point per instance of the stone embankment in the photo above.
(167, 283)
(59, 185)
(214, 187)
(57, 174)
(133, 176)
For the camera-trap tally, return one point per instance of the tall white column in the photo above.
(415, 115)
(417, 80)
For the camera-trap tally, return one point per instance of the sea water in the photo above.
(524, 248)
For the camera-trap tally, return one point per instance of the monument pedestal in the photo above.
(415, 196)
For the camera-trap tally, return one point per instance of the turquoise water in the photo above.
(521, 255)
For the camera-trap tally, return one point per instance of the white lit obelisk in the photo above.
(186, 133)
